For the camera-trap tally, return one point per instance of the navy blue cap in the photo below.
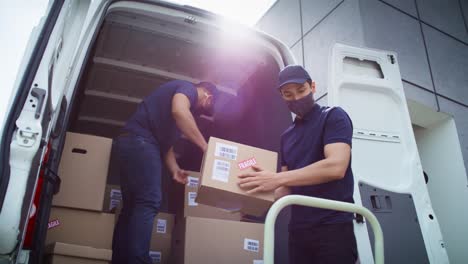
(293, 74)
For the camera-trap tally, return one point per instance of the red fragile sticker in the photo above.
(247, 163)
(53, 223)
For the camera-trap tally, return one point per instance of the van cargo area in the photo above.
(133, 54)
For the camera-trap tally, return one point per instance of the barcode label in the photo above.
(226, 151)
(251, 245)
(115, 198)
(156, 256)
(161, 226)
(221, 170)
(191, 198)
(192, 182)
(256, 261)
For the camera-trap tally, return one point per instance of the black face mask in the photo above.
(301, 106)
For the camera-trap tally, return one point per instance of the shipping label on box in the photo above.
(191, 199)
(251, 245)
(226, 151)
(161, 226)
(192, 182)
(156, 256)
(112, 199)
(115, 198)
(221, 170)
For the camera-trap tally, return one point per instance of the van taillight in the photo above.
(28, 239)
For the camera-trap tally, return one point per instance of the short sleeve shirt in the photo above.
(303, 144)
(153, 117)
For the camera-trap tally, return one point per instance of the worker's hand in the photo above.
(204, 148)
(180, 176)
(259, 181)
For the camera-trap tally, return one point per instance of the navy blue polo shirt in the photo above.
(303, 144)
(153, 118)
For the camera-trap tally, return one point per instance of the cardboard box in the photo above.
(112, 198)
(184, 199)
(62, 253)
(83, 171)
(161, 237)
(203, 240)
(222, 163)
(79, 227)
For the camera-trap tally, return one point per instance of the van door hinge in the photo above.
(29, 122)
(26, 137)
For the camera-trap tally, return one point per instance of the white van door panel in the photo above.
(36, 121)
(367, 84)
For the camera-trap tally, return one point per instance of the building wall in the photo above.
(429, 36)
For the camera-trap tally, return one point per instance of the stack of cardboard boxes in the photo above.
(206, 226)
(209, 230)
(78, 231)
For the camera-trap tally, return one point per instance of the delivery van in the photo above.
(89, 63)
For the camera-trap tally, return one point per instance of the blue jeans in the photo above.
(140, 179)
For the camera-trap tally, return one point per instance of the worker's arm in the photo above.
(282, 190)
(178, 174)
(185, 121)
(333, 167)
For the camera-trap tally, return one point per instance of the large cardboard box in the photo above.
(184, 199)
(112, 198)
(161, 237)
(62, 253)
(80, 227)
(203, 240)
(222, 163)
(83, 171)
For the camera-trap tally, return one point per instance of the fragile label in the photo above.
(247, 163)
(226, 151)
(192, 182)
(221, 170)
(156, 256)
(191, 198)
(256, 261)
(115, 198)
(53, 223)
(161, 226)
(251, 245)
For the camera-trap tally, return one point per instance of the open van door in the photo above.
(35, 112)
(388, 175)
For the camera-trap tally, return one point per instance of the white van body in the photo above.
(82, 38)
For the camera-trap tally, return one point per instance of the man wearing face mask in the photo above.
(148, 136)
(316, 161)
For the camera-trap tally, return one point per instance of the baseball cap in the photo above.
(293, 74)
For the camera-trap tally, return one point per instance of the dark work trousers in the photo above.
(324, 244)
(140, 179)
